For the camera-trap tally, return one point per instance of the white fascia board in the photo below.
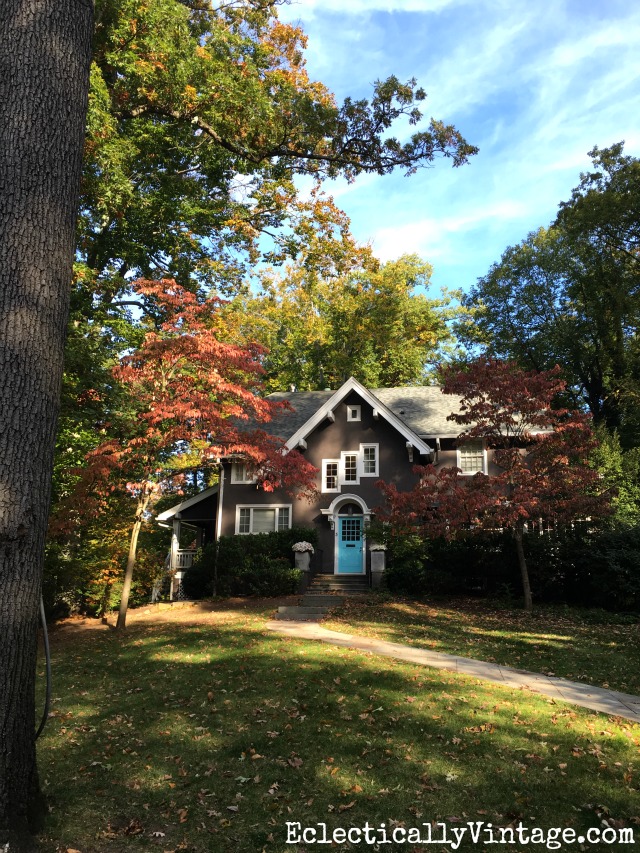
(169, 513)
(353, 385)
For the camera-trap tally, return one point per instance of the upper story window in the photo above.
(350, 467)
(369, 460)
(262, 519)
(472, 458)
(354, 413)
(240, 473)
(330, 475)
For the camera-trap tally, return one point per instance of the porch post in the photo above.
(175, 544)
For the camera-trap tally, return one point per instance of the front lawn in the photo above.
(208, 734)
(591, 646)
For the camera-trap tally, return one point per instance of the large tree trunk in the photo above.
(44, 64)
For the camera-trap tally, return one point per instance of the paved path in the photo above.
(595, 698)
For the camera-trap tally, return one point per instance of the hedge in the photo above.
(259, 564)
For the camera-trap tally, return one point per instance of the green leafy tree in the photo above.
(373, 322)
(199, 120)
(570, 295)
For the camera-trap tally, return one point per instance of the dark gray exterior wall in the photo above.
(328, 441)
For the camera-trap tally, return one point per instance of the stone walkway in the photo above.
(595, 698)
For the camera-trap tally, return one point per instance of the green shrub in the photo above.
(260, 564)
(578, 566)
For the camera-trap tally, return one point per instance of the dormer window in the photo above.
(354, 413)
(472, 458)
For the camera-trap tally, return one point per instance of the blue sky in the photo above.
(535, 84)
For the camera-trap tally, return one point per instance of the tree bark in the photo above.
(143, 503)
(45, 50)
(524, 571)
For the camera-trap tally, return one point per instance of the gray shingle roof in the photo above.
(424, 409)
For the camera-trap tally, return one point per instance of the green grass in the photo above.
(209, 736)
(590, 646)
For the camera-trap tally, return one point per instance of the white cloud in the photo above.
(431, 236)
(303, 9)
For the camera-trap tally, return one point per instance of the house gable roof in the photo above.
(334, 398)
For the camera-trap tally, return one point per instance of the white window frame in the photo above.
(459, 450)
(342, 471)
(252, 507)
(244, 479)
(325, 463)
(364, 473)
(354, 413)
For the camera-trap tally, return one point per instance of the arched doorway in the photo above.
(348, 516)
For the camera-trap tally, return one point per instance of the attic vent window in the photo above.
(354, 413)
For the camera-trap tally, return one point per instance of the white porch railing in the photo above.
(184, 559)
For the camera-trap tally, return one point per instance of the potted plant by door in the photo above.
(302, 554)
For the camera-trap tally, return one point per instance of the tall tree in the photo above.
(43, 95)
(540, 455)
(367, 320)
(199, 119)
(570, 295)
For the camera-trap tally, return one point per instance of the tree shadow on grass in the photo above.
(211, 737)
(603, 655)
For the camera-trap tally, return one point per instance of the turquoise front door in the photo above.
(350, 545)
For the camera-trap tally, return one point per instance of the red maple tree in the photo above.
(192, 398)
(539, 466)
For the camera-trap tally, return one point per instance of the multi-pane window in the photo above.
(351, 529)
(370, 459)
(351, 467)
(347, 470)
(471, 457)
(239, 473)
(244, 520)
(263, 519)
(330, 475)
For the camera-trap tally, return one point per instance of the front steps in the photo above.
(342, 584)
(324, 594)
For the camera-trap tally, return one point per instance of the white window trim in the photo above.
(358, 413)
(251, 507)
(326, 462)
(485, 466)
(239, 481)
(342, 469)
(361, 460)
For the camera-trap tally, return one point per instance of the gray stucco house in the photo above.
(354, 437)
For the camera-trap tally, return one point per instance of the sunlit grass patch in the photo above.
(568, 643)
(163, 742)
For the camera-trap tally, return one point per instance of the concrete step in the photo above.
(313, 599)
(337, 587)
(294, 610)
